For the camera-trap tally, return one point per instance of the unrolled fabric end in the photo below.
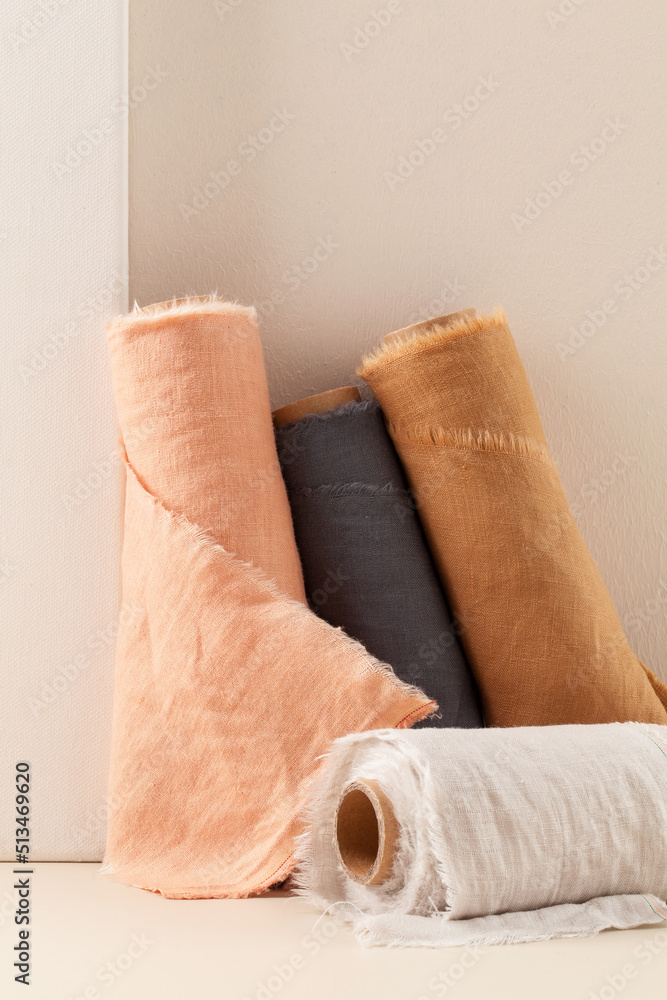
(560, 921)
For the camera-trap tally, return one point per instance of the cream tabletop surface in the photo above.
(92, 938)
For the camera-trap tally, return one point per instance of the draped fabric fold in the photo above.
(228, 690)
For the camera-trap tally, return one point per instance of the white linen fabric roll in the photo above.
(505, 835)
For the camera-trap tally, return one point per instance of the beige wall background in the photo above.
(279, 128)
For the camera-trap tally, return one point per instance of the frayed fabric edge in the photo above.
(205, 891)
(420, 340)
(304, 424)
(206, 540)
(306, 865)
(581, 919)
(641, 910)
(334, 490)
(467, 439)
(189, 305)
(422, 710)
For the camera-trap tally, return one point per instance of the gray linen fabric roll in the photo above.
(366, 564)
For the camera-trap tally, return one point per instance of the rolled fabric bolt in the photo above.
(365, 560)
(536, 621)
(228, 690)
(491, 836)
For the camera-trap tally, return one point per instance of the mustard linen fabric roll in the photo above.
(536, 620)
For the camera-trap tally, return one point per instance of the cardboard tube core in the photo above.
(320, 403)
(366, 832)
(427, 325)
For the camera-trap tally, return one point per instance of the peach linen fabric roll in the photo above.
(537, 623)
(227, 688)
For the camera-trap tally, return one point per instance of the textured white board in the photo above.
(346, 218)
(63, 273)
